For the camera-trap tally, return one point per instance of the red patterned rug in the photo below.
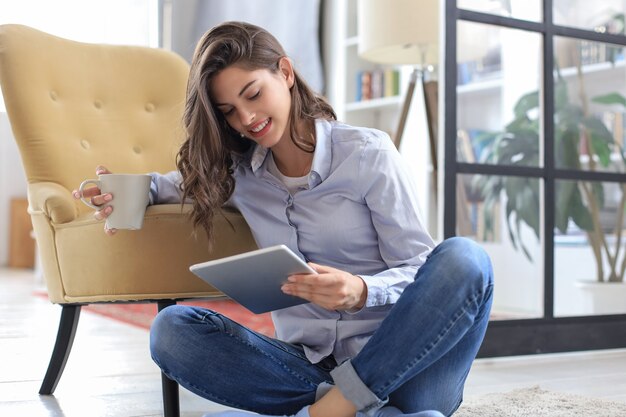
(141, 315)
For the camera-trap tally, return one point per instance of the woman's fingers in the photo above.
(87, 192)
(103, 214)
(101, 199)
(94, 195)
(92, 191)
(102, 170)
(109, 232)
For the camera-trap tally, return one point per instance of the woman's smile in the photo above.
(259, 129)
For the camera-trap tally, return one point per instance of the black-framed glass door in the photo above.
(535, 168)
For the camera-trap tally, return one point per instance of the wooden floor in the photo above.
(110, 373)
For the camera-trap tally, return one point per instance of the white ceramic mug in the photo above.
(130, 197)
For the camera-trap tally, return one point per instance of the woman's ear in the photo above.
(285, 67)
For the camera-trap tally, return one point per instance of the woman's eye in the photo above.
(228, 112)
(257, 95)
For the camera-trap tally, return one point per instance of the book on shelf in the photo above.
(594, 52)
(364, 85)
(391, 82)
(378, 83)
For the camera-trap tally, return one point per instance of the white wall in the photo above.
(12, 182)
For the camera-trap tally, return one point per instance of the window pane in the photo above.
(498, 106)
(589, 101)
(519, 9)
(512, 243)
(588, 248)
(606, 16)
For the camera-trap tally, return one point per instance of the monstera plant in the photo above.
(582, 141)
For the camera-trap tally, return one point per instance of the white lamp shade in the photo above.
(399, 31)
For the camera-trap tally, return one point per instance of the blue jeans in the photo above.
(417, 360)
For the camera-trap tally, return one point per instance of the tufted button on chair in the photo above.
(72, 106)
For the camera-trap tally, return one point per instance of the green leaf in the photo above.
(600, 148)
(510, 207)
(609, 99)
(529, 207)
(568, 117)
(519, 232)
(579, 213)
(597, 127)
(567, 149)
(561, 95)
(600, 139)
(597, 189)
(526, 103)
(564, 193)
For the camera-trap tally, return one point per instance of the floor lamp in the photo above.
(404, 32)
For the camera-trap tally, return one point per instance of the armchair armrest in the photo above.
(52, 200)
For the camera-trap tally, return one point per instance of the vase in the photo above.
(603, 297)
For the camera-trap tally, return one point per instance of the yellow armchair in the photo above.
(73, 106)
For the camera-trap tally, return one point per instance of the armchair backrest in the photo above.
(74, 105)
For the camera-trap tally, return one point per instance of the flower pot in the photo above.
(603, 297)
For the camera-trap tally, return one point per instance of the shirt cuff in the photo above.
(376, 294)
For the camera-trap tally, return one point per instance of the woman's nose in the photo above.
(246, 117)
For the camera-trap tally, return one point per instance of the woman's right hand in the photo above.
(98, 199)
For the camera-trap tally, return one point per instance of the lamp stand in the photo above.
(407, 105)
(431, 122)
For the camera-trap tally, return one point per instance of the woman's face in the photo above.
(256, 103)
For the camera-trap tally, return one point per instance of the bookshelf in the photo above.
(345, 69)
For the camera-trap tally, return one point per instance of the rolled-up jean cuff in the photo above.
(354, 390)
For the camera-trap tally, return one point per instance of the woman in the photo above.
(393, 322)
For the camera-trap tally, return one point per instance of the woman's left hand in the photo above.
(330, 288)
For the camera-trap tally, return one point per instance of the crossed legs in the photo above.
(417, 360)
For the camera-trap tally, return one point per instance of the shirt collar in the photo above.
(322, 157)
(323, 149)
(258, 158)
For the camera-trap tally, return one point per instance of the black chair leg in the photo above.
(171, 401)
(62, 348)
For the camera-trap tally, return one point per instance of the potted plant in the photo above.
(582, 141)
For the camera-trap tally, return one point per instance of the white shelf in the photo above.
(480, 86)
(373, 104)
(494, 84)
(352, 41)
(593, 68)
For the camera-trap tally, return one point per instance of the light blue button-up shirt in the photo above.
(358, 213)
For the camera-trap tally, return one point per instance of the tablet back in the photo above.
(253, 279)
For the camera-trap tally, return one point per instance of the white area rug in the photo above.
(535, 402)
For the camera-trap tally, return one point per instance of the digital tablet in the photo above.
(253, 279)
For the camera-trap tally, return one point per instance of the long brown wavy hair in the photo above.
(205, 160)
